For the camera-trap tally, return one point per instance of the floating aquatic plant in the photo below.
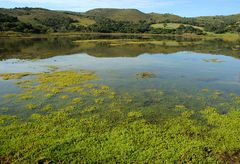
(145, 75)
(47, 107)
(135, 114)
(11, 95)
(26, 96)
(31, 106)
(76, 100)
(180, 107)
(64, 97)
(91, 123)
(205, 90)
(10, 76)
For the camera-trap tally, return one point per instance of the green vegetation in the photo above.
(175, 29)
(129, 15)
(110, 127)
(213, 60)
(145, 75)
(68, 116)
(171, 26)
(37, 20)
(9, 76)
(166, 25)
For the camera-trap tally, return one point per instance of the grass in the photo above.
(225, 36)
(172, 26)
(131, 15)
(85, 22)
(168, 25)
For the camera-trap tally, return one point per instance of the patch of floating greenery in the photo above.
(31, 106)
(145, 75)
(52, 68)
(6, 118)
(10, 76)
(58, 137)
(10, 95)
(47, 107)
(213, 60)
(94, 124)
(64, 97)
(135, 114)
(26, 96)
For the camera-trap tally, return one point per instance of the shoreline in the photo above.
(225, 36)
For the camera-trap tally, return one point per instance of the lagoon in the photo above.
(88, 77)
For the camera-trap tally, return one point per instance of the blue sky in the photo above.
(179, 7)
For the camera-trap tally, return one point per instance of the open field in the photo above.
(172, 25)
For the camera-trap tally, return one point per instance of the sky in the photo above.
(188, 8)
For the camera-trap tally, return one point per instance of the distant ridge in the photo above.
(45, 19)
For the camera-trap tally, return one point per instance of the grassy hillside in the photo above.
(30, 15)
(165, 17)
(132, 15)
(46, 18)
(219, 19)
(38, 20)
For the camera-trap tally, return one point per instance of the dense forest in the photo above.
(37, 20)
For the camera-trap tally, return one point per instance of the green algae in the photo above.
(47, 107)
(10, 95)
(59, 138)
(31, 106)
(26, 96)
(76, 100)
(135, 114)
(6, 118)
(10, 76)
(52, 68)
(84, 122)
(64, 97)
(145, 75)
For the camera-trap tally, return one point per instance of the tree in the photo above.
(165, 25)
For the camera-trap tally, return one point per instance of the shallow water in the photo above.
(104, 99)
(180, 67)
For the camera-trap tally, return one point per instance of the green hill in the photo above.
(39, 20)
(219, 19)
(46, 19)
(34, 15)
(131, 15)
(165, 17)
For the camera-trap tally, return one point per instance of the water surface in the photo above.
(182, 68)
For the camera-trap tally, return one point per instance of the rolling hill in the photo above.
(131, 15)
(39, 19)
(29, 15)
